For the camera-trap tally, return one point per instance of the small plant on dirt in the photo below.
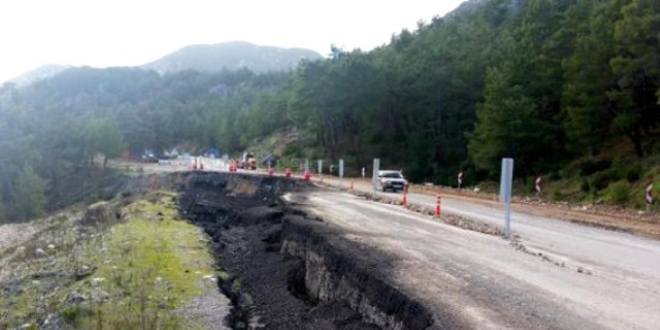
(618, 192)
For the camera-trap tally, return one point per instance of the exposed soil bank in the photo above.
(285, 270)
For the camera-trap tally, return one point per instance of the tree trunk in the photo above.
(636, 139)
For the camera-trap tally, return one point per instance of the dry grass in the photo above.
(140, 272)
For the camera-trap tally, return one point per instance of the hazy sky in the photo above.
(134, 32)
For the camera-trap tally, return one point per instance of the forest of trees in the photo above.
(548, 82)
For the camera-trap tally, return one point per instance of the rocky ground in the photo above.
(130, 263)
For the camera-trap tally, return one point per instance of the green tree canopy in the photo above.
(30, 199)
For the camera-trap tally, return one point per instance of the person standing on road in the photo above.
(332, 169)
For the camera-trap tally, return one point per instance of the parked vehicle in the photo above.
(391, 180)
(149, 156)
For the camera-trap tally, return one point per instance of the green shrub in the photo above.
(293, 150)
(591, 166)
(601, 180)
(585, 186)
(618, 192)
(530, 185)
(634, 174)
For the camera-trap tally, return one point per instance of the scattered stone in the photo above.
(100, 296)
(51, 246)
(83, 272)
(76, 297)
(52, 322)
(97, 280)
(162, 305)
(159, 279)
(39, 252)
(35, 282)
(580, 269)
(476, 189)
(98, 213)
(21, 249)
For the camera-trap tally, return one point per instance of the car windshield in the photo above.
(392, 175)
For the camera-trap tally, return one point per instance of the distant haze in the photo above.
(231, 56)
(131, 33)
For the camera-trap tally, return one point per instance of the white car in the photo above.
(391, 180)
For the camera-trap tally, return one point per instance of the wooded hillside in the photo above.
(566, 87)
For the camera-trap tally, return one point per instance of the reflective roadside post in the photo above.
(374, 176)
(649, 196)
(505, 193)
(341, 172)
(320, 167)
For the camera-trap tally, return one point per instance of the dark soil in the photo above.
(267, 286)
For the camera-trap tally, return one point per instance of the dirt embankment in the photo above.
(284, 270)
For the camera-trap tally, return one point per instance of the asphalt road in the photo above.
(490, 284)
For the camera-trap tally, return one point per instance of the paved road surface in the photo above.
(620, 255)
(489, 283)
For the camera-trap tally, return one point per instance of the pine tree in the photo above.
(30, 194)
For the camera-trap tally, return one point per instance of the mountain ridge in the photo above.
(231, 55)
(37, 74)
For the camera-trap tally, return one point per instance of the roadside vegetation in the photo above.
(130, 264)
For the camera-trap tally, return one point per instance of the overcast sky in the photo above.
(134, 32)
